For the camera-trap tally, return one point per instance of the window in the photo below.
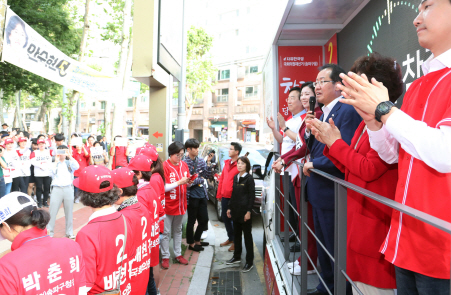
(130, 102)
(144, 98)
(83, 105)
(102, 105)
(93, 103)
(223, 95)
(224, 74)
(251, 70)
(251, 91)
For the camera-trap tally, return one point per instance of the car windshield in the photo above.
(256, 156)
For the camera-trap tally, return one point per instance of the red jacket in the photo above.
(119, 158)
(158, 185)
(81, 159)
(225, 185)
(176, 198)
(368, 220)
(151, 200)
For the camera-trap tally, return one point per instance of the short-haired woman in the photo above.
(37, 263)
(106, 240)
(240, 210)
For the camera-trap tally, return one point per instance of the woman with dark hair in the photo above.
(41, 159)
(139, 217)
(368, 220)
(107, 239)
(240, 210)
(119, 154)
(60, 260)
(101, 159)
(176, 174)
(147, 196)
(298, 152)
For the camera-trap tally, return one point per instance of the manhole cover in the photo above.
(226, 283)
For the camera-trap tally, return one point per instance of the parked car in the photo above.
(257, 156)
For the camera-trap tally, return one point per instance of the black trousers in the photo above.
(20, 184)
(239, 230)
(197, 210)
(293, 218)
(43, 186)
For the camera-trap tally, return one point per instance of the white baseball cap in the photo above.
(9, 206)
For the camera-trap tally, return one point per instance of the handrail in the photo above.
(340, 242)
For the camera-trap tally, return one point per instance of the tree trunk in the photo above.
(135, 123)
(125, 61)
(73, 101)
(60, 115)
(107, 121)
(190, 112)
(18, 116)
(1, 107)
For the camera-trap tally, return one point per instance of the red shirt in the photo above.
(225, 185)
(58, 269)
(81, 159)
(119, 156)
(411, 243)
(151, 200)
(176, 199)
(368, 220)
(158, 185)
(102, 241)
(140, 220)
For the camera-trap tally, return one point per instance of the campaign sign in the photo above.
(120, 141)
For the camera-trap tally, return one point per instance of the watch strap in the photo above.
(381, 110)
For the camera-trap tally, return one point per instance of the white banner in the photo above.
(36, 126)
(25, 48)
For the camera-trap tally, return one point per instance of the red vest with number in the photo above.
(410, 243)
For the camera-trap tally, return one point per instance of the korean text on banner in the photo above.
(25, 48)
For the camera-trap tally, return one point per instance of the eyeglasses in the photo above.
(320, 83)
(180, 155)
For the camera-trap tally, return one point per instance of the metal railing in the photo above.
(340, 238)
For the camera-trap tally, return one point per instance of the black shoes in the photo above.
(247, 267)
(291, 239)
(204, 244)
(233, 261)
(196, 248)
(296, 247)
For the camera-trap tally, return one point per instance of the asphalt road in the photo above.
(252, 282)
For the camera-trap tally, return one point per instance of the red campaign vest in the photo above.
(58, 268)
(140, 220)
(150, 199)
(158, 185)
(410, 243)
(175, 199)
(102, 241)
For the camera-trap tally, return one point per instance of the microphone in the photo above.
(312, 102)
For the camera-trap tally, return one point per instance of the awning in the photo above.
(221, 124)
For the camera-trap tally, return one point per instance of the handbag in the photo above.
(117, 291)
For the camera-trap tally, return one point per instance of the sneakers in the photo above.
(70, 237)
(247, 267)
(226, 243)
(233, 261)
(77, 200)
(296, 270)
(293, 264)
(232, 248)
(181, 260)
(204, 235)
(165, 263)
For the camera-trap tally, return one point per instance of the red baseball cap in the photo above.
(22, 139)
(140, 163)
(123, 177)
(41, 141)
(151, 153)
(91, 177)
(149, 145)
(8, 140)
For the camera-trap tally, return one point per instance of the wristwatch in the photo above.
(286, 128)
(382, 109)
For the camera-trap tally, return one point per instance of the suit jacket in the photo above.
(320, 191)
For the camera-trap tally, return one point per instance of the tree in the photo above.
(200, 71)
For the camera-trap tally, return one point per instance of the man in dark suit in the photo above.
(320, 191)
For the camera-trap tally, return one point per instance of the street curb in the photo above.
(200, 279)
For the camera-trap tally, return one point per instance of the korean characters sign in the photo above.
(25, 48)
(297, 64)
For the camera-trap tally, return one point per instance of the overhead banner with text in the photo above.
(25, 48)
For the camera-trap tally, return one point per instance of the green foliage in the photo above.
(200, 71)
(52, 20)
(113, 30)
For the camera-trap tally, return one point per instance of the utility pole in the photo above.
(181, 134)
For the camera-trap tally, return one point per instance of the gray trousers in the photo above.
(174, 223)
(62, 195)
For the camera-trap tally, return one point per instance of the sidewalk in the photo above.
(178, 279)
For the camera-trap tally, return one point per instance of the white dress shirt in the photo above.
(402, 129)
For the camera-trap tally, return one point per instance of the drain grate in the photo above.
(226, 283)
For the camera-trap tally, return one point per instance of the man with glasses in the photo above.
(320, 191)
(287, 137)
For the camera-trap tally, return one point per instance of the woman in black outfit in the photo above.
(240, 206)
